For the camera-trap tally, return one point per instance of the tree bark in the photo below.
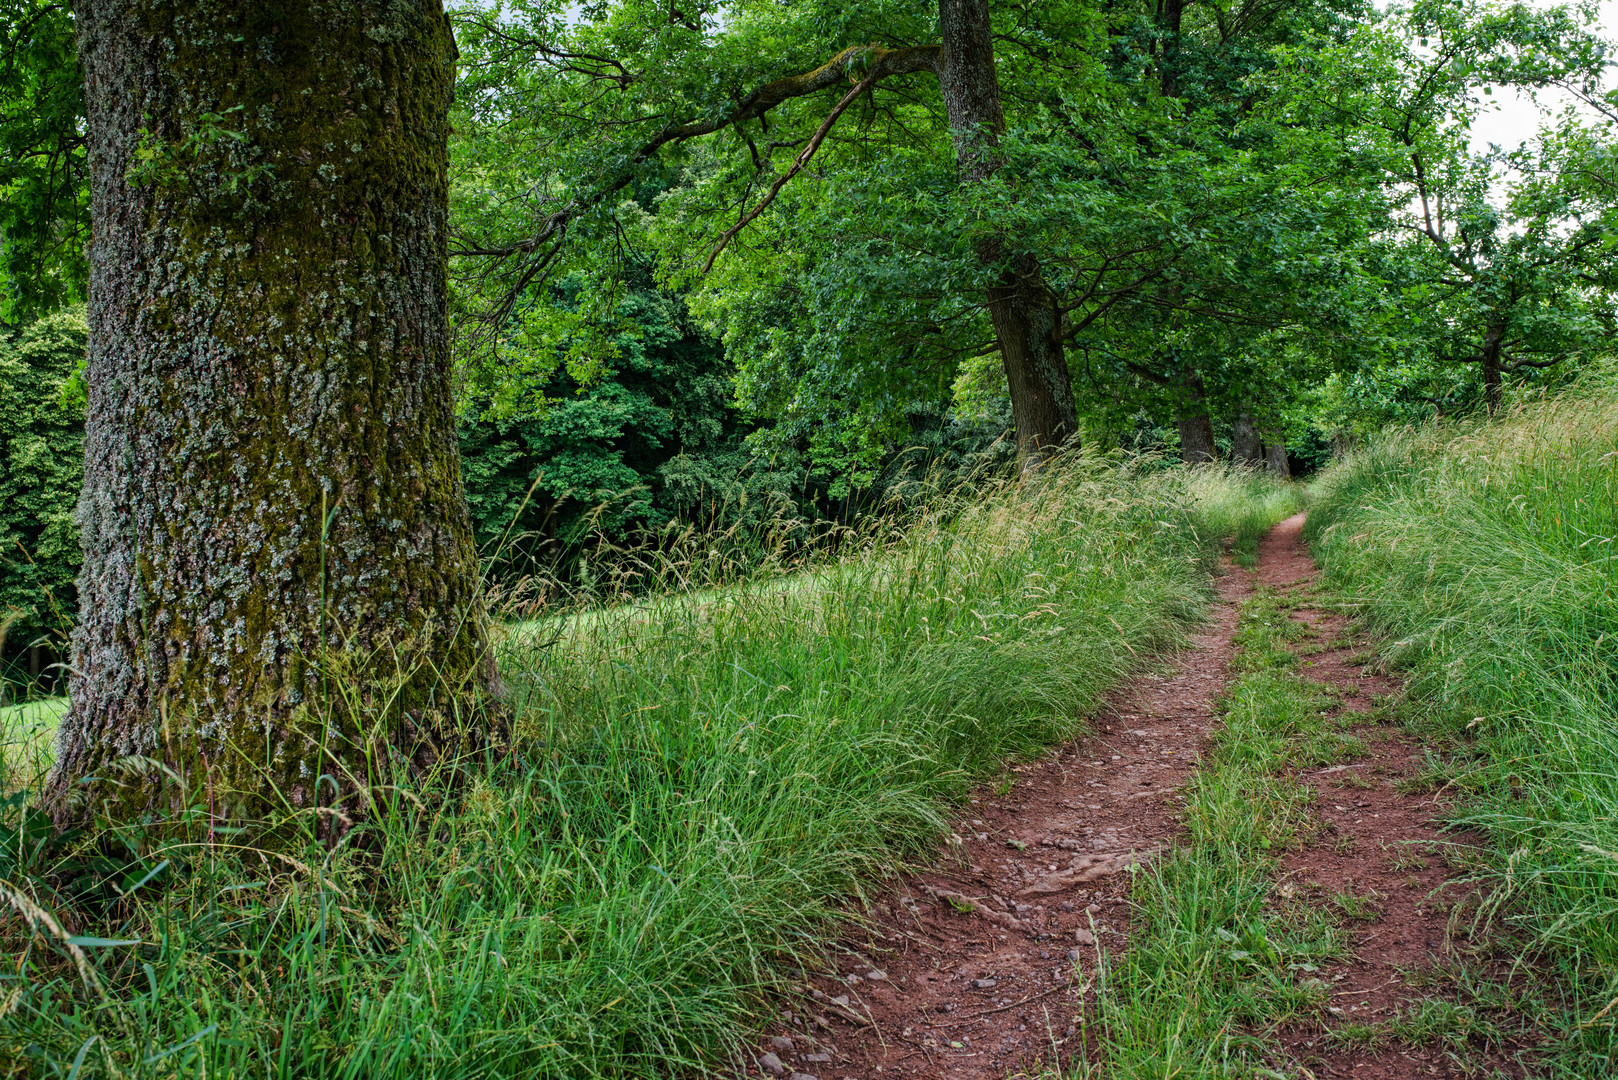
(1027, 321)
(1245, 446)
(1196, 427)
(1275, 453)
(279, 567)
(1493, 375)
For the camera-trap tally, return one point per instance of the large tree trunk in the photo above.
(1275, 452)
(1246, 448)
(1196, 427)
(1027, 322)
(272, 517)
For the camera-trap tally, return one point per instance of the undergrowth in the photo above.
(1483, 555)
(701, 785)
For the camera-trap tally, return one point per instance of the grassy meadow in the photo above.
(702, 784)
(1484, 554)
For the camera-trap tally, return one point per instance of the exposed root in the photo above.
(966, 903)
(1087, 868)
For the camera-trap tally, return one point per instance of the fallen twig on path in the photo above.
(1003, 1008)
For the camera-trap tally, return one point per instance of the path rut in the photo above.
(983, 966)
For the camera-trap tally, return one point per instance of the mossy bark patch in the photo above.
(272, 516)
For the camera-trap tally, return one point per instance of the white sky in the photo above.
(1514, 117)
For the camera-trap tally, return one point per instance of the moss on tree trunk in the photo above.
(1027, 321)
(272, 516)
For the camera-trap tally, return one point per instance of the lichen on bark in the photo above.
(279, 568)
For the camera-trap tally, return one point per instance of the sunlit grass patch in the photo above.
(27, 741)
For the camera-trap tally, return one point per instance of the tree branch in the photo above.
(543, 247)
(797, 166)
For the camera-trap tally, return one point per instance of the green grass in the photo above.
(27, 734)
(1266, 635)
(1483, 554)
(1242, 521)
(1218, 957)
(700, 788)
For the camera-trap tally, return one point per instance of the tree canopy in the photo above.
(743, 248)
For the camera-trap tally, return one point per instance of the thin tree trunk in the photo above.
(1196, 427)
(1027, 322)
(1493, 376)
(1245, 446)
(272, 516)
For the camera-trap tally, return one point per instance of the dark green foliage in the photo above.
(41, 468)
(649, 436)
(653, 437)
(44, 196)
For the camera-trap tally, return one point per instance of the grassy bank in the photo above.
(699, 785)
(1484, 554)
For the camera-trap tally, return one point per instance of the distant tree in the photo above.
(570, 458)
(1503, 259)
(279, 576)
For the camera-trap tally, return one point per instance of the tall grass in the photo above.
(699, 788)
(1484, 552)
(1242, 521)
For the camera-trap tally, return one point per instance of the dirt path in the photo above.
(1383, 862)
(981, 969)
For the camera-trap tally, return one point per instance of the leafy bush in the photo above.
(586, 474)
(41, 471)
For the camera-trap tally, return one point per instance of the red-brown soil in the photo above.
(982, 967)
(1383, 847)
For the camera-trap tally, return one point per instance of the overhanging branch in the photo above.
(869, 64)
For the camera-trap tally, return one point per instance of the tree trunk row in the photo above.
(1249, 446)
